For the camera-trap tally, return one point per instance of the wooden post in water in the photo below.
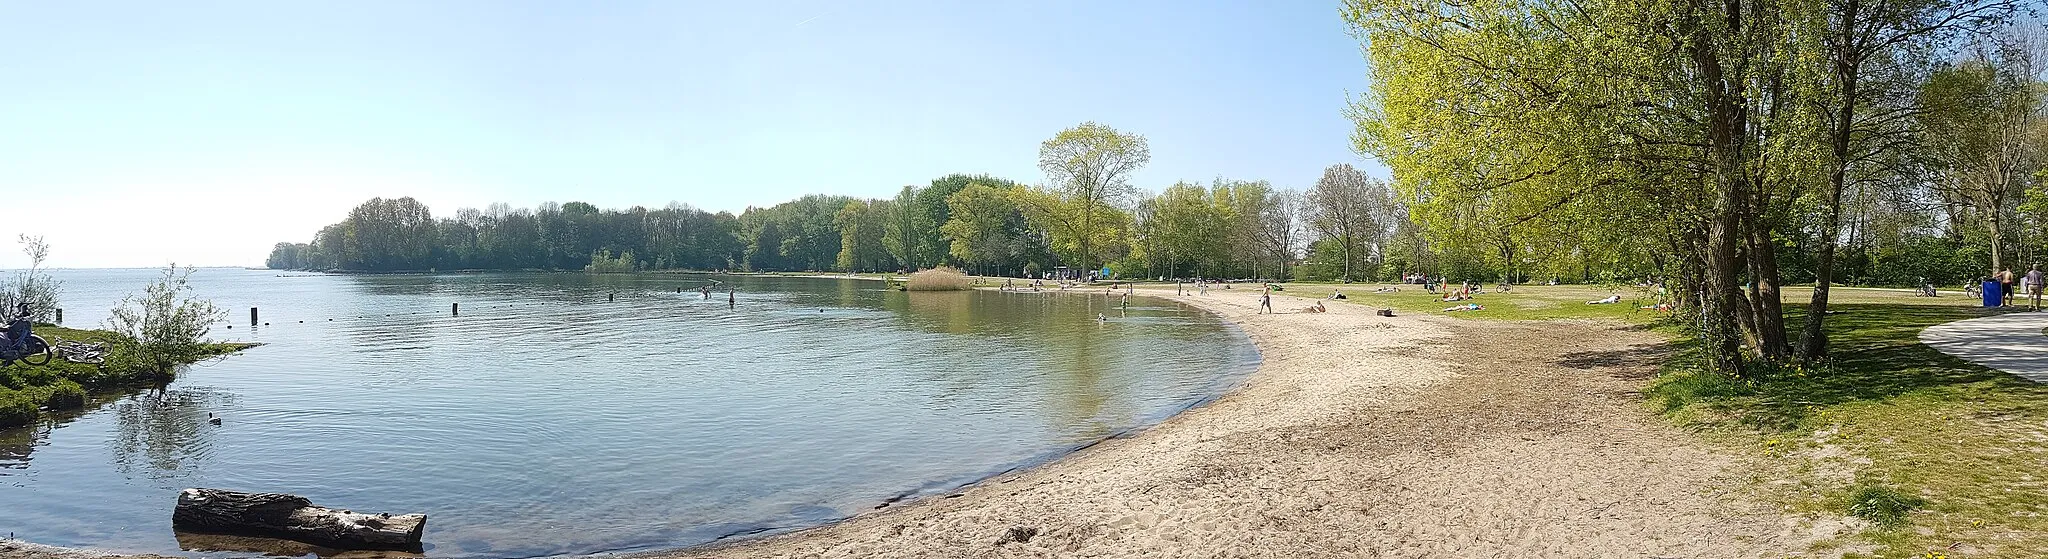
(455, 309)
(252, 316)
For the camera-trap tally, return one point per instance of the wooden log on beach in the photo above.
(295, 518)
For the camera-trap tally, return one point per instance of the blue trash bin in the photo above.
(1993, 295)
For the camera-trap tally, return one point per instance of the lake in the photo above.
(574, 413)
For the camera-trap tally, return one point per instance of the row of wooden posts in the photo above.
(454, 309)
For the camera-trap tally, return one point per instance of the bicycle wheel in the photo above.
(39, 352)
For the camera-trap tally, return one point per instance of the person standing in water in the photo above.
(707, 292)
(732, 298)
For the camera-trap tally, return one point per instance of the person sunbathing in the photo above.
(1610, 299)
(1318, 308)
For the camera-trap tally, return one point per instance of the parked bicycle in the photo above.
(21, 343)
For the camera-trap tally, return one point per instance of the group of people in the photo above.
(2030, 286)
(1036, 285)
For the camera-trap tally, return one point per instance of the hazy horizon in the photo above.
(204, 134)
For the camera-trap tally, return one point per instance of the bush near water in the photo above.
(150, 336)
(942, 278)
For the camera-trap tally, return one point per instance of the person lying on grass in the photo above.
(1610, 299)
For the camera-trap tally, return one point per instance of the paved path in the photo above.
(2008, 342)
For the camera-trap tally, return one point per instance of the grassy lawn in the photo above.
(1936, 455)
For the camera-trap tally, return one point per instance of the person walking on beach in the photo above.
(2034, 285)
(1266, 300)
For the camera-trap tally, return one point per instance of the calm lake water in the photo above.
(545, 420)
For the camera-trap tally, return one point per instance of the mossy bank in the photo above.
(27, 391)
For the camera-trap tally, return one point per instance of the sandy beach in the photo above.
(1359, 436)
(1363, 436)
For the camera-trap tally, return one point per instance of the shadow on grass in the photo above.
(1875, 355)
(1620, 359)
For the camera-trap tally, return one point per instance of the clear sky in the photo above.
(135, 134)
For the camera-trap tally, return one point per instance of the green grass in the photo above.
(1534, 302)
(1938, 454)
(27, 389)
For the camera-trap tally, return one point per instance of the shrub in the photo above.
(939, 279)
(31, 286)
(163, 328)
(16, 408)
(65, 395)
(1883, 506)
(602, 262)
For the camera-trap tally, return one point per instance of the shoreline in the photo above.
(1356, 435)
(1298, 456)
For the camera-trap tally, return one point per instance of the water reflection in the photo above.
(163, 433)
(193, 541)
(551, 417)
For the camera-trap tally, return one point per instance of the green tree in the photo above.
(1092, 165)
(1347, 207)
(163, 328)
(861, 224)
(985, 227)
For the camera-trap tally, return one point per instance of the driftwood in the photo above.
(294, 518)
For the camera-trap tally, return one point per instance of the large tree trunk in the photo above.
(295, 518)
(1087, 229)
(1813, 340)
(1722, 301)
(1766, 302)
(1996, 240)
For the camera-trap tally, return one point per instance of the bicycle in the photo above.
(22, 344)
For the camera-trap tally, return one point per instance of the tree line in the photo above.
(1088, 216)
(1724, 149)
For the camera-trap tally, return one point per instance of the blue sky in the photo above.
(204, 132)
